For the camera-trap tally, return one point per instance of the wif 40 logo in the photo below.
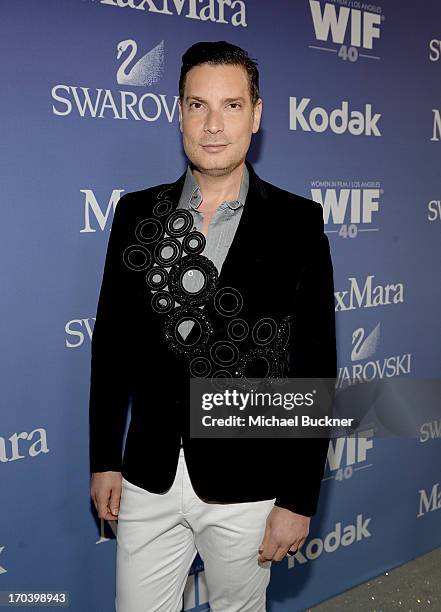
(349, 207)
(348, 26)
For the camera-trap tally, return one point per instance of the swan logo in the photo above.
(368, 295)
(148, 70)
(348, 204)
(214, 11)
(100, 103)
(363, 347)
(359, 28)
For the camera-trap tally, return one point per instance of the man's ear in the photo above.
(257, 115)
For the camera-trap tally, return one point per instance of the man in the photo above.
(217, 274)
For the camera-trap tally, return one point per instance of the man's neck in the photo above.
(218, 189)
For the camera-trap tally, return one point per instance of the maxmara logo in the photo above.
(353, 26)
(24, 444)
(217, 11)
(368, 295)
(429, 501)
(96, 215)
(340, 120)
(351, 205)
(100, 103)
(340, 536)
(436, 125)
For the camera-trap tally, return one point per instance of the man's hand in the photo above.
(284, 530)
(105, 490)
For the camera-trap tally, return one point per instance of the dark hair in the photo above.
(220, 52)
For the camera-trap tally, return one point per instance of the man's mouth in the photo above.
(214, 147)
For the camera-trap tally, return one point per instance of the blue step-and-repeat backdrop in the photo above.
(352, 118)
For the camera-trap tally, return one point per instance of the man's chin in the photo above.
(215, 168)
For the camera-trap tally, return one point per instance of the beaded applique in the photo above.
(220, 358)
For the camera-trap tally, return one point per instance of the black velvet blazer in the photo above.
(278, 267)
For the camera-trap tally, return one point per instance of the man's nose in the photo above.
(214, 122)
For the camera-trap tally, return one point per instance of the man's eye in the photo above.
(194, 103)
(235, 104)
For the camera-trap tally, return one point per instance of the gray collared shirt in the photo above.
(220, 233)
(221, 230)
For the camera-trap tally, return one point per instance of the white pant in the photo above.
(159, 535)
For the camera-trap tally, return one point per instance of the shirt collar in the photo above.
(191, 193)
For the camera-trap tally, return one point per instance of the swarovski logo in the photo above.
(102, 103)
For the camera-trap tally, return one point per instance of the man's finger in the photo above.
(114, 500)
(268, 551)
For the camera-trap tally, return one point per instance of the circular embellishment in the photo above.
(238, 329)
(258, 363)
(174, 339)
(197, 237)
(264, 331)
(177, 251)
(224, 353)
(148, 231)
(156, 284)
(228, 301)
(162, 208)
(179, 215)
(200, 367)
(136, 257)
(162, 302)
(177, 273)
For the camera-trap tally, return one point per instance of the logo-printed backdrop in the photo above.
(351, 118)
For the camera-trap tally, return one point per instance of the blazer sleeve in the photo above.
(313, 354)
(109, 377)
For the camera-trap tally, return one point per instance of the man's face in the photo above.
(217, 110)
